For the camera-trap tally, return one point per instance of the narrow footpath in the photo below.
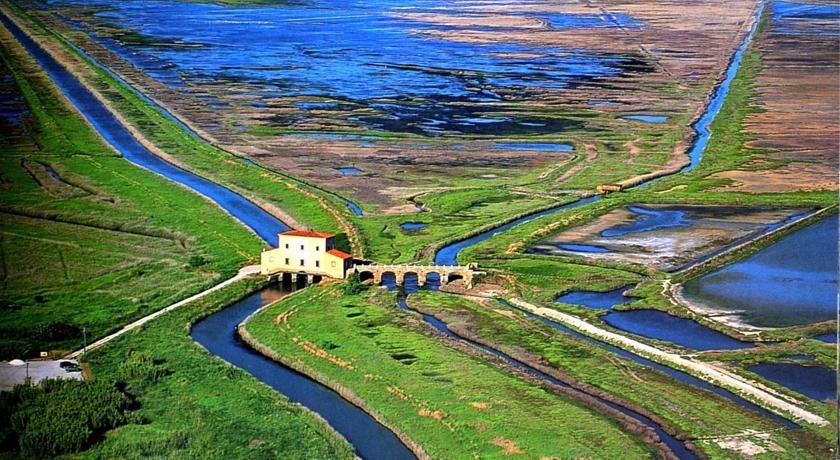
(243, 273)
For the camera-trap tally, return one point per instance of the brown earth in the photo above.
(675, 57)
(800, 122)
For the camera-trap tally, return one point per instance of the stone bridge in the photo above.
(447, 273)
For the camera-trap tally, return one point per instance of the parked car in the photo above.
(66, 364)
(73, 368)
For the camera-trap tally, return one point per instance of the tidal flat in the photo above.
(663, 236)
(523, 71)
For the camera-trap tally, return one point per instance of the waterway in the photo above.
(448, 255)
(816, 382)
(263, 224)
(410, 286)
(791, 282)
(217, 333)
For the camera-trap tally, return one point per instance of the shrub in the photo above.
(60, 416)
(353, 285)
(57, 331)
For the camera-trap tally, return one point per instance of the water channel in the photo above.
(216, 332)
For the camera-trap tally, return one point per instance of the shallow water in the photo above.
(352, 54)
(659, 325)
(349, 170)
(217, 334)
(791, 282)
(413, 226)
(646, 118)
(831, 337)
(583, 248)
(597, 300)
(815, 382)
(798, 18)
(649, 220)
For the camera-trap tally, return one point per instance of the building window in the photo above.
(301, 262)
(317, 248)
(287, 261)
(317, 263)
(287, 245)
(301, 247)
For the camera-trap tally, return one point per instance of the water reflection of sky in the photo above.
(356, 52)
(797, 18)
(793, 281)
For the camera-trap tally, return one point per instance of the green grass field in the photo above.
(104, 243)
(197, 406)
(452, 403)
(531, 341)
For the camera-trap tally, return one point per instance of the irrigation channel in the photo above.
(217, 333)
(675, 445)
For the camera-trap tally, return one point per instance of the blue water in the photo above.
(353, 207)
(676, 374)
(354, 53)
(799, 18)
(265, 225)
(791, 282)
(800, 357)
(448, 255)
(701, 126)
(349, 171)
(411, 226)
(217, 334)
(659, 325)
(597, 300)
(533, 146)
(583, 248)
(651, 219)
(815, 382)
(646, 118)
(831, 337)
(410, 286)
(369, 438)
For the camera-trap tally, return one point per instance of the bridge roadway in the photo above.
(446, 272)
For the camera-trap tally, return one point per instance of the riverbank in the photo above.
(601, 371)
(93, 222)
(453, 403)
(199, 416)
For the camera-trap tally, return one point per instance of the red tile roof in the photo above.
(339, 254)
(308, 233)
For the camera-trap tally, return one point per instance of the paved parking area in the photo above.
(38, 370)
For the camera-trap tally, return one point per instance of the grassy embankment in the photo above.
(452, 403)
(109, 242)
(533, 342)
(200, 406)
(102, 243)
(271, 190)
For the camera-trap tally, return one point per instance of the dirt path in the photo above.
(243, 273)
(705, 371)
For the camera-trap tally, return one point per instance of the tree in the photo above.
(353, 285)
